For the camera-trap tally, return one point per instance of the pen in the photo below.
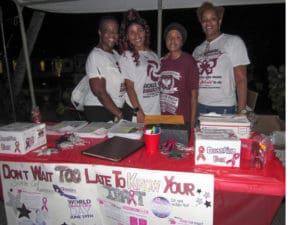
(153, 130)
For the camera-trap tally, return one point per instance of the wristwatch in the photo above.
(135, 110)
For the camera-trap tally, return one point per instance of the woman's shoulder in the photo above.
(125, 53)
(232, 38)
(151, 53)
(199, 48)
(125, 56)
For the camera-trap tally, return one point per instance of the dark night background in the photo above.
(262, 27)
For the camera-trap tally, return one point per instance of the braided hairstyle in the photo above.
(132, 17)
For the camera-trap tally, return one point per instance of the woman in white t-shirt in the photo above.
(140, 68)
(222, 61)
(106, 97)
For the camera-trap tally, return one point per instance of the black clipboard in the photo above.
(114, 149)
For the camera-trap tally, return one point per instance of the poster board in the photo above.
(41, 193)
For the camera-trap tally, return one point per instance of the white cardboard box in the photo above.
(20, 138)
(238, 123)
(218, 147)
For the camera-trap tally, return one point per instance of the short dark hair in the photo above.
(176, 26)
(104, 19)
(219, 10)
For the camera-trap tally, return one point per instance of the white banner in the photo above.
(73, 194)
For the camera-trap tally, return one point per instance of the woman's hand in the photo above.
(140, 116)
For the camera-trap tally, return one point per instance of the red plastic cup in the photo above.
(152, 142)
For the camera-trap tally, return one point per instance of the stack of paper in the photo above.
(94, 130)
(65, 127)
(127, 129)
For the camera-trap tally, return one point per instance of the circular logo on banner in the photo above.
(161, 207)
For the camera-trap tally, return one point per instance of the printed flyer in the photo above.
(73, 194)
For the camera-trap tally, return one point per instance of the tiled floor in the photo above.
(278, 220)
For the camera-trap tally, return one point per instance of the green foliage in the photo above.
(276, 77)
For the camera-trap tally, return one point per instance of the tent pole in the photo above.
(159, 27)
(26, 55)
(7, 66)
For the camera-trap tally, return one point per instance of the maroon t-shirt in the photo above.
(178, 78)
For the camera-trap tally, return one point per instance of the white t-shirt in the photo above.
(103, 64)
(215, 61)
(145, 77)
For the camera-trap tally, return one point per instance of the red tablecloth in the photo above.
(243, 195)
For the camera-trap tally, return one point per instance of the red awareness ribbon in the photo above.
(27, 143)
(131, 195)
(201, 153)
(235, 157)
(169, 145)
(44, 206)
(17, 144)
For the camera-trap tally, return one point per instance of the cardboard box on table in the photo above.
(218, 147)
(20, 138)
(266, 124)
(238, 123)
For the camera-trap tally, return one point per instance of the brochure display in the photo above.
(127, 129)
(94, 130)
(65, 127)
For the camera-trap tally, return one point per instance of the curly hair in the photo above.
(132, 17)
(219, 10)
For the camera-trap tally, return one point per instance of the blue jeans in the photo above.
(217, 109)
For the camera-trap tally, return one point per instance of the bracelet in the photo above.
(135, 110)
(243, 111)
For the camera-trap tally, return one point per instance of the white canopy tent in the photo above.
(99, 6)
(103, 6)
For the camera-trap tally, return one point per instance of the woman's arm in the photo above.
(134, 100)
(194, 101)
(240, 75)
(98, 87)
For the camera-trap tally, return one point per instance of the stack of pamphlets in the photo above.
(127, 129)
(94, 130)
(65, 127)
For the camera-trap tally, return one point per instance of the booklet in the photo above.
(65, 127)
(114, 149)
(127, 129)
(94, 130)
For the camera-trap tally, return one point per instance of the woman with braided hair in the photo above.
(140, 67)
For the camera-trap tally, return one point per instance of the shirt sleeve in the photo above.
(91, 66)
(239, 55)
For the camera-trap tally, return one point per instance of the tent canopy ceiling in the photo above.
(99, 6)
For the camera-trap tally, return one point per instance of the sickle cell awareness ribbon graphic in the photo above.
(201, 153)
(17, 149)
(232, 161)
(44, 206)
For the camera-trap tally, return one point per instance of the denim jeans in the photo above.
(217, 109)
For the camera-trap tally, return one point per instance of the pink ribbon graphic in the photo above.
(131, 195)
(17, 144)
(44, 206)
(201, 153)
(27, 143)
(235, 157)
